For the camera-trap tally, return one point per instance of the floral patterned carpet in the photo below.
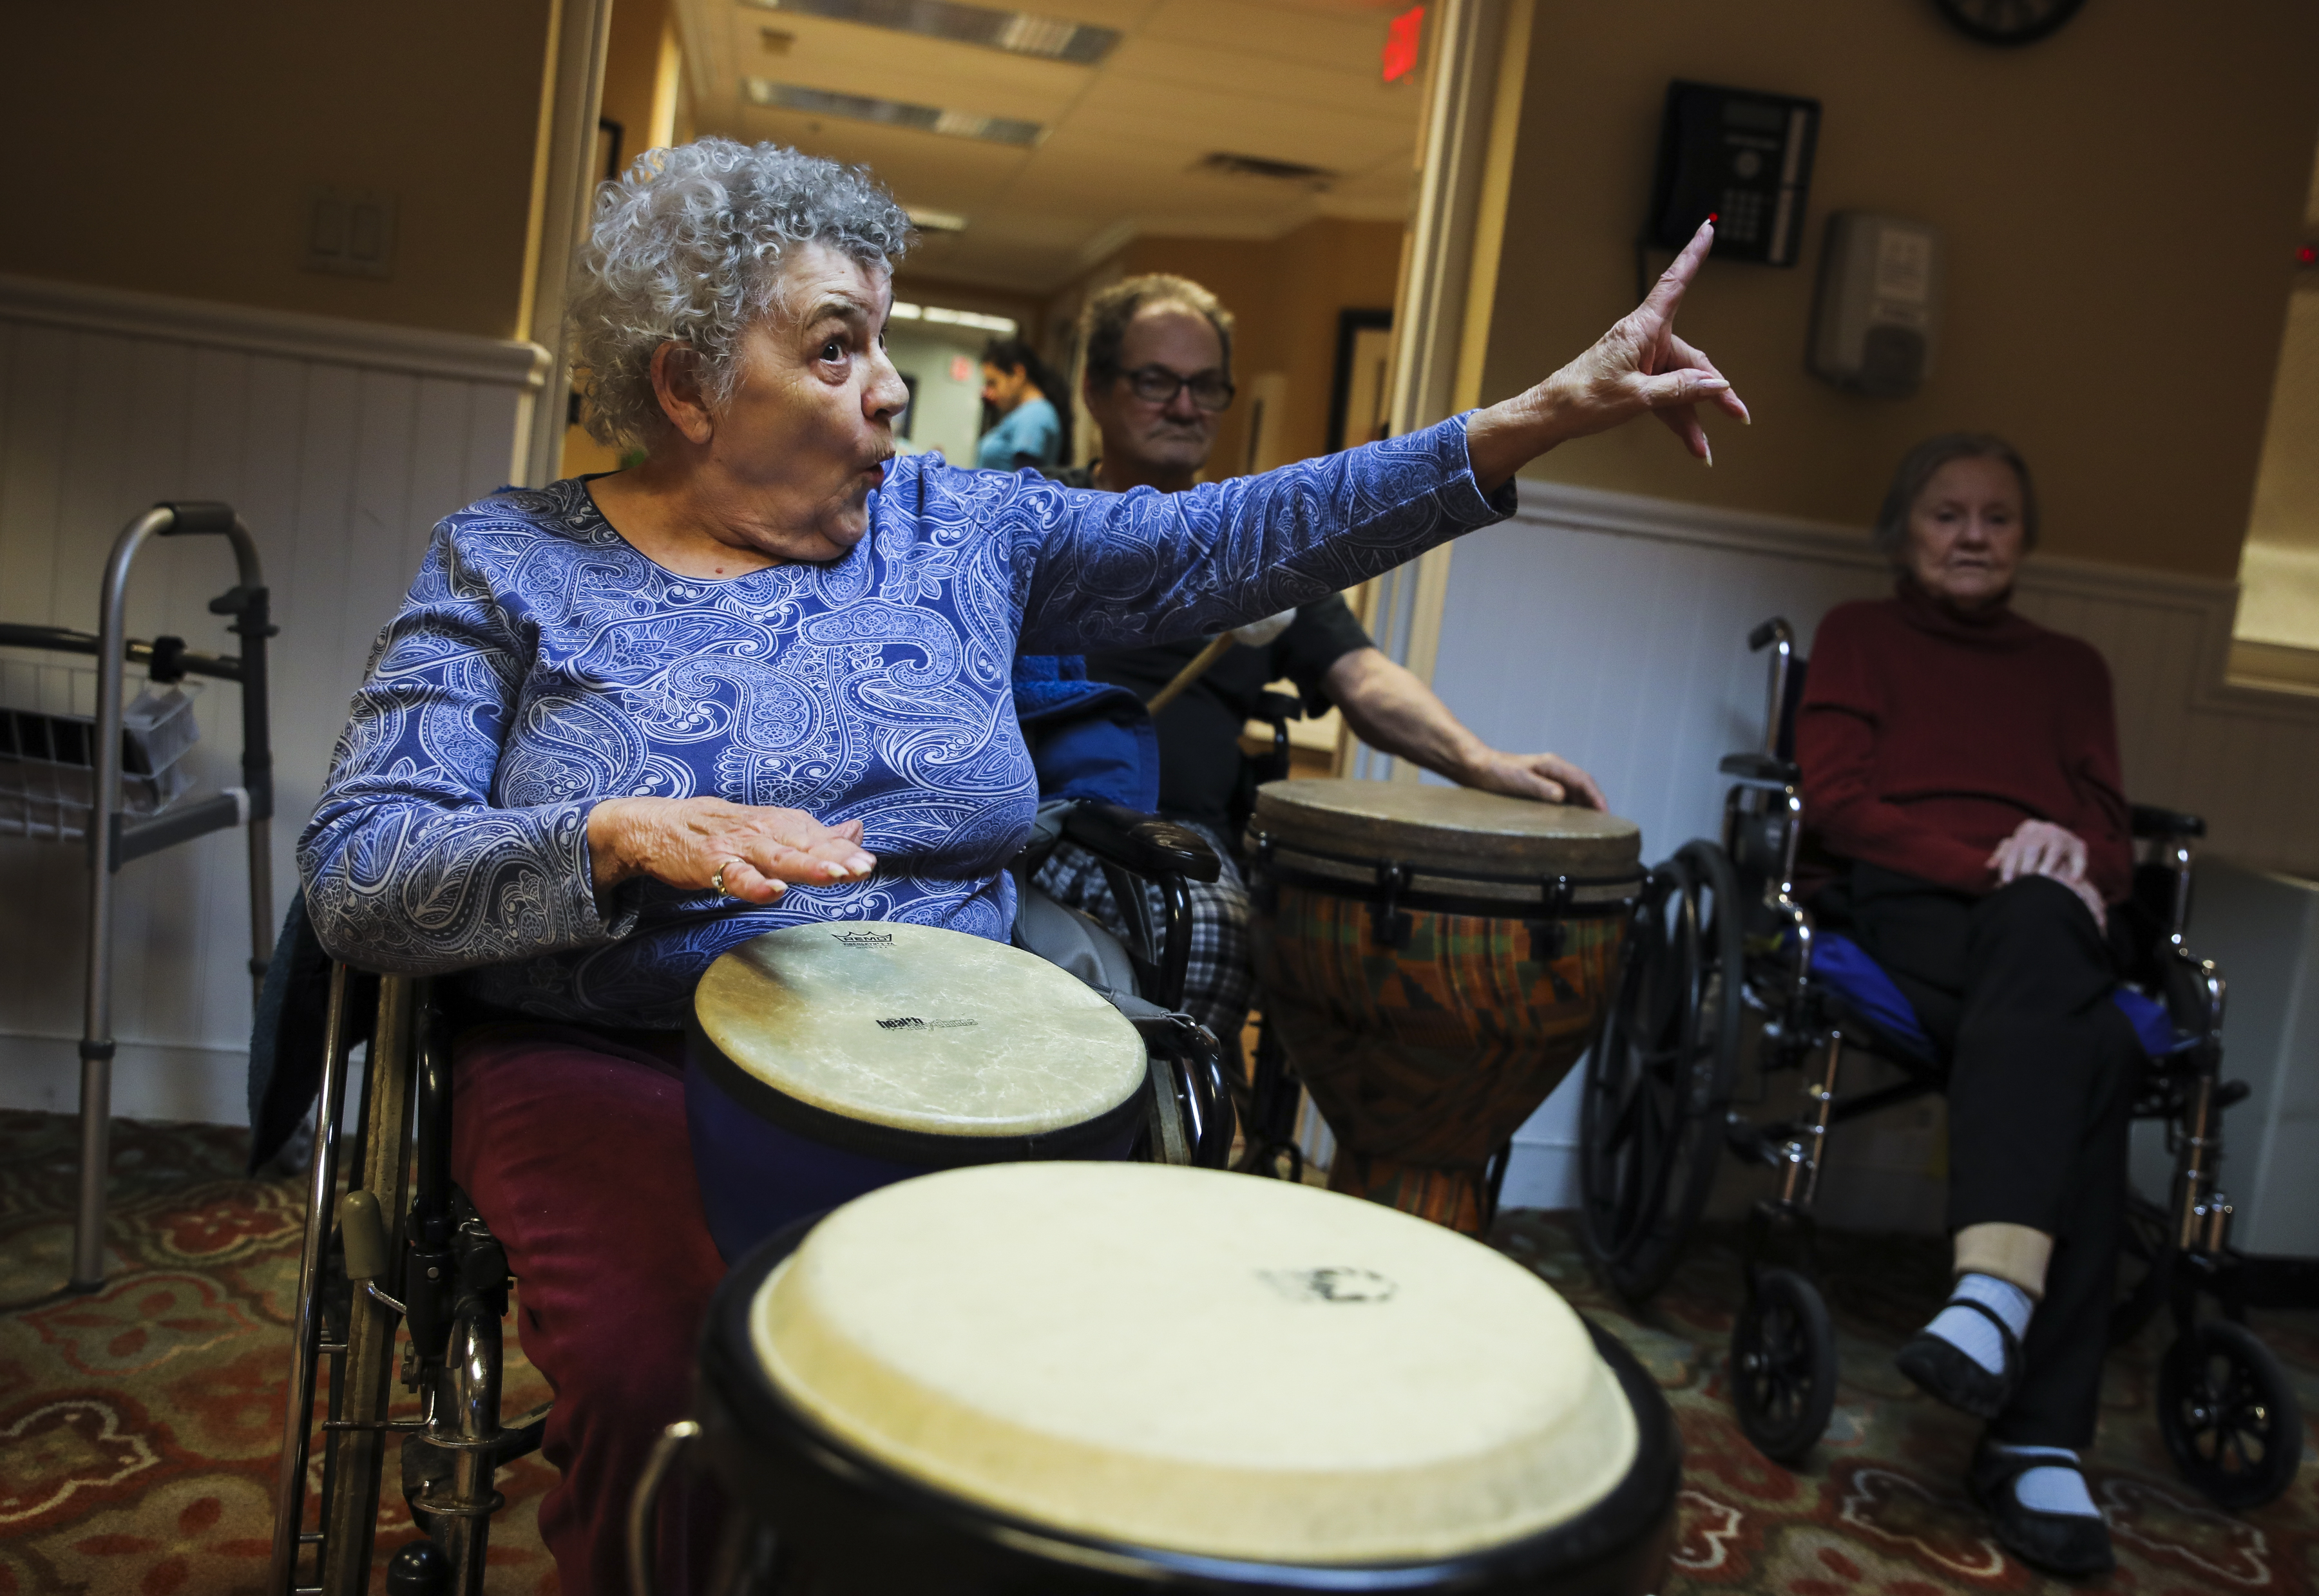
(139, 1426)
(1881, 1506)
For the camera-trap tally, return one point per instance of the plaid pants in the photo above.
(1219, 982)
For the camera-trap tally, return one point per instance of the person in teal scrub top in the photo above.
(1029, 431)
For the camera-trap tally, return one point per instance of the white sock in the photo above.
(1970, 1333)
(2056, 1488)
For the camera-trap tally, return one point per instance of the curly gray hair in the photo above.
(687, 247)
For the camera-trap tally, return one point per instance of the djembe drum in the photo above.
(1043, 1379)
(823, 1061)
(1434, 960)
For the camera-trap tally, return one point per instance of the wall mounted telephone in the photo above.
(1741, 156)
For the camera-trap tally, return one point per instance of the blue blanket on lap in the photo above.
(1087, 739)
(1865, 987)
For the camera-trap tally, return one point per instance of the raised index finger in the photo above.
(1666, 293)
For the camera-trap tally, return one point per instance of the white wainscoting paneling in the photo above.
(340, 444)
(1612, 629)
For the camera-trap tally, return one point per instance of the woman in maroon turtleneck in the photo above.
(1965, 759)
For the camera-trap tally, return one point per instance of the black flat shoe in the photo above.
(1948, 1373)
(2071, 1545)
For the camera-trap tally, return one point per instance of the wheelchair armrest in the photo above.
(1278, 708)
(1762, 767)
(1142, 844)
(2149, 820)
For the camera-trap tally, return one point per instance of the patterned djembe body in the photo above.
(1435, 961)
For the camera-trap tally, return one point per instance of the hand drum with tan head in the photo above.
(1435, 959)
(1098, 1378)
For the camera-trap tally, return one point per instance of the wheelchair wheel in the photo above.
(1783, 1365)
(1658, 1079)
(2228, 1415)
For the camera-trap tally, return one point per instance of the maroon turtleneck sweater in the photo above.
(1927, 733)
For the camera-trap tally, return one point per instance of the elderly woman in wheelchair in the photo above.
(1977, 908)
(621, 725)
(1964, 760)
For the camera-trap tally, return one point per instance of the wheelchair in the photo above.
(399, 1278)
(1718, 936)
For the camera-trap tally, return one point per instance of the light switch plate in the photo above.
(350, 232)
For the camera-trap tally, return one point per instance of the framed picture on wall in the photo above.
(1361, 394)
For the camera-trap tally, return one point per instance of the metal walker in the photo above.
(115, 834)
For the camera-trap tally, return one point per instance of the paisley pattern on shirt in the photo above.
(540, 665)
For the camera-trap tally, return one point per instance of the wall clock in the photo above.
(2007, 22)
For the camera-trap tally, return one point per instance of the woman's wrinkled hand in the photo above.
(2040, 848)
(706, 844)
(1639, 365)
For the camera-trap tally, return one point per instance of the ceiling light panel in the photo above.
(1020, 32)
(902, 310)
(928, 119)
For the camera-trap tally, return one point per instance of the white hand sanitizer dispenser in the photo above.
(1878, 320)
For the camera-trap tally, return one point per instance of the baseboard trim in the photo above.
(150, 1080)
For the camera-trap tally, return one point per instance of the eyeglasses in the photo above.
(1156, 384)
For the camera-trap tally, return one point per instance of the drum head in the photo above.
(1195, 1362)
(1450, 828)
(918, 1029)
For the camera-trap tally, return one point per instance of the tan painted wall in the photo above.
(640, 76)
(637, 89)
(170, 149)
(2120, 202)
(1286, 294)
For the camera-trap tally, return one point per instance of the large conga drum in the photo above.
(1090, 1378)
(823, 1061)
(1434, 960)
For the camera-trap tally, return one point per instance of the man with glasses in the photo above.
(1158, 375)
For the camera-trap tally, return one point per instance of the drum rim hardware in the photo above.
(902, 1144)
(779, 1446)
(1392, 887)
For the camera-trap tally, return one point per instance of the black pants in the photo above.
(2015, 987)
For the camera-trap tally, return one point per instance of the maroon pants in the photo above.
(573, 1147)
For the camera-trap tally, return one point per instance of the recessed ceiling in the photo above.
(1026, 33)
(1123, 147)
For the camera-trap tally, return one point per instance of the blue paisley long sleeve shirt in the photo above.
(541, 664)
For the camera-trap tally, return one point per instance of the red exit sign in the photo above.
(1401, 36)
